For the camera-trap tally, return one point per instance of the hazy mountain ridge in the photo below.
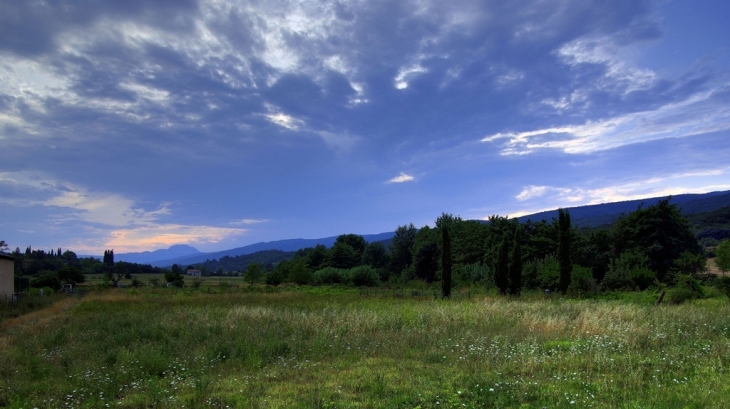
(606, 213)
(283, 245)
(148, 257)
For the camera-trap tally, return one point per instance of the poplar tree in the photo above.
(445, 263)
(515, 267)
(566, 265)
(501, 273)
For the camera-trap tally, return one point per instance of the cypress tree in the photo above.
(445, 263)
(515, 267)
(501, 273)
(566, 265)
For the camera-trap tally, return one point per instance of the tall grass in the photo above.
(156, 348)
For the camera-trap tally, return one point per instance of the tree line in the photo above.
(652, 245)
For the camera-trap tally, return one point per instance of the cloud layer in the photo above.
(147, 123)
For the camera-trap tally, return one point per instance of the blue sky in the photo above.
(137, 125)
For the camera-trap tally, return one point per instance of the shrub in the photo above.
(687, 288)
(46, 279)
(723, 284)
(471, 273)
(364, 276)
(330, 275)
(582, 281)
(274, 277)
(548, 273)
(642, 277)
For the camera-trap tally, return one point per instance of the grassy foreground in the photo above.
(156, 348)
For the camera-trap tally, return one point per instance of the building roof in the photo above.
(6, 256)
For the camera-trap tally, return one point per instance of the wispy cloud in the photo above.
(401, 178)
(701, 113)
(249, 221)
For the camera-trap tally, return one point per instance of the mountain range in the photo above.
(589, 216)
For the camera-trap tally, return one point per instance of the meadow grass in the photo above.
(327, 348)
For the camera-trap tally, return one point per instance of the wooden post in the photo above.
(661, 297)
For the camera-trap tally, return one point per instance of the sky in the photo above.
(137, 125)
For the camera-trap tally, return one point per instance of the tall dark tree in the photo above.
(400, 248)
(660, 232)
(445, 262)
(515, 266)
(375, 255)
(108, 257)
(357, 242)
(501, 271)
(317, 258)
(342, 255)
(426, 254)
(564, 258)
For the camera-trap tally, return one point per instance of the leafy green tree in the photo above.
(175, 276)
(659, 231)
(400, 253)
(356, 242)
(342, 255)
(515, 266)
(595, 251)
(564, 256)
(317, 258)
(445, 262)
(425, 254)
(375, 255)
(47, 279)
(253, 273)
(71, 274)
(689, 263)
(115, 273)
(3, 246)
(501, 271)
(299, 273)
(722, 256)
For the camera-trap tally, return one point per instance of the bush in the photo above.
(723, 284)
(364, 276)
(582, 281)
(471, 273)
(274, 277)
(687, 288)
(548, 273)
(629, 272)
(330, 275)
(46, 279)
(642, 277)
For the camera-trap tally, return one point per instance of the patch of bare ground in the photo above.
(712, 267)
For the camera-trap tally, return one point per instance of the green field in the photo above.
(327, 348)
(97, 279)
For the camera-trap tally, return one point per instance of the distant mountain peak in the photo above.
(146, 257)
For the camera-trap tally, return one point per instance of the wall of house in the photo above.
(7, 277)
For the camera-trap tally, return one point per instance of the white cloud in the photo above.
(166, 235)
(249, 221)
(284, 120)
(114, 220)
(696, 115)
(407, 73)
(402, 177)
(603, 50)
